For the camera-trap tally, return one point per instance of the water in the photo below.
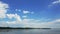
(29, 31)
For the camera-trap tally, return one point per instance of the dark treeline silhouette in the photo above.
(21, 28)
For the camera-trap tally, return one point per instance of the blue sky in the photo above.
(30, 13)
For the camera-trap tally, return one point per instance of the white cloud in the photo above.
(24, 22)
(3, 5)
(12, 22)
(18, 10)
(55, 21)
(38, 23)
(10, 16)
(26, 12)
(3, 14)
(54, 2)
(17, 17)
(3, 9)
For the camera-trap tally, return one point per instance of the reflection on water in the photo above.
(29, 31)
(5, 30)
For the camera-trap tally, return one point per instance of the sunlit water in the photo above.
(29, 31)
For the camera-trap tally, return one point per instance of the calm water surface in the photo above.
(29, 31)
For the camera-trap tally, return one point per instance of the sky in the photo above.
(30, 13)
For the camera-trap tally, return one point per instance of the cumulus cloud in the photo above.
(27, 12)
(17, 17)
(3, 9)
(5, 16)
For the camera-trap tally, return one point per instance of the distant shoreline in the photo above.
(21, 28)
